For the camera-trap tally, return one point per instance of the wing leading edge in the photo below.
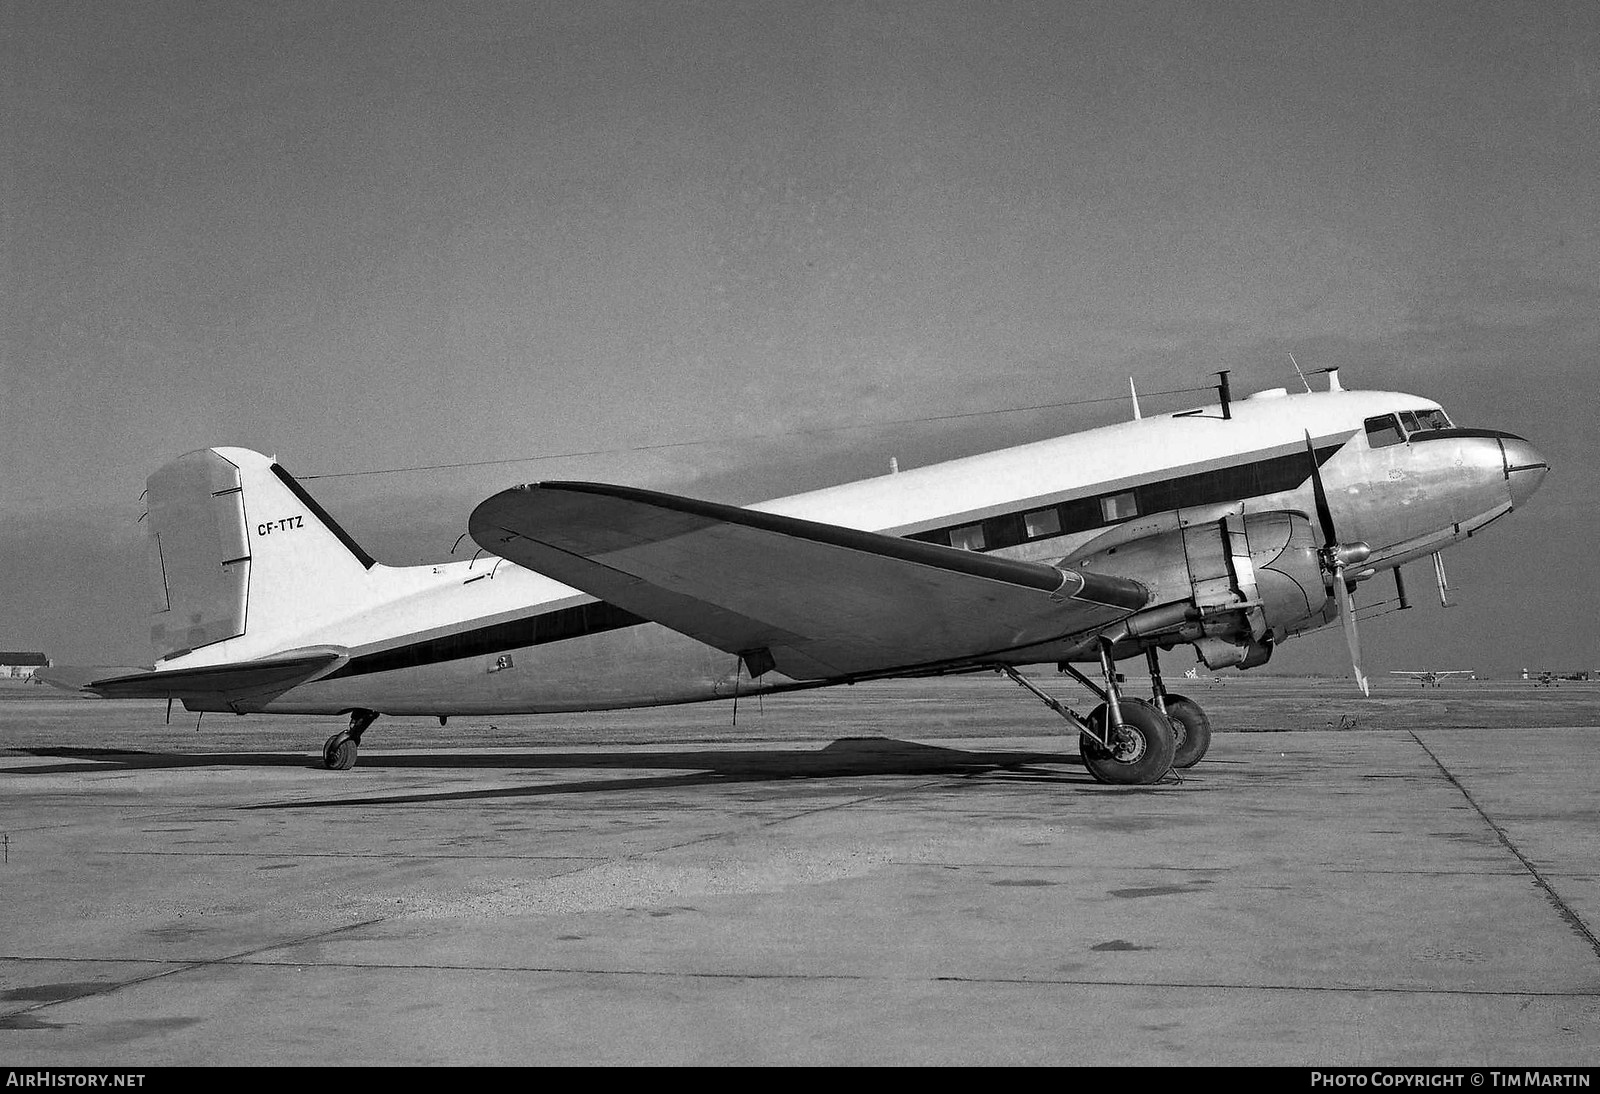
(816, 601)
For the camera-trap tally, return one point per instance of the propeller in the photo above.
(1336, 558)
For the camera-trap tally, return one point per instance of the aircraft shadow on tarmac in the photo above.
(849, 756)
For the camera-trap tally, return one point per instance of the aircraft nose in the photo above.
(1525, 466)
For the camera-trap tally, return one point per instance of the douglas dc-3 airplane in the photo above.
(1228, 528)
(1432, 676)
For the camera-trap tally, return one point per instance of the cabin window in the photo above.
(1383, 431)
(1118, 506)
(968, 537)
(1042, 522)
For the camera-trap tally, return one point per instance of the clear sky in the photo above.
(364, 236)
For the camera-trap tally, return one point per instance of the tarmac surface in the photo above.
(843, 880)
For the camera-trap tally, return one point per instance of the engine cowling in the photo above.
(1232, 588)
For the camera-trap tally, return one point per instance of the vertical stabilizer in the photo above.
(238, 548)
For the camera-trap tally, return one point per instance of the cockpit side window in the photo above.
(1408, 421)
(1383, 431)
(1433, 418)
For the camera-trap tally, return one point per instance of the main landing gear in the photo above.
(1127, 741)
(339, 751)
(1190, 723)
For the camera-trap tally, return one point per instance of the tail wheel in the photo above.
(339, 752)
(1141, 750)
(1193, 730)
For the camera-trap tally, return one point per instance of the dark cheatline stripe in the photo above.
(1255, 479)
(515, 634)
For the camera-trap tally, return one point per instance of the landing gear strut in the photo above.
(339, 751)
(1125, 741)
(1189, 722)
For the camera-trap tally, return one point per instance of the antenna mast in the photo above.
(1303, 379)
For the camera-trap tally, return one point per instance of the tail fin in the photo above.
(238, 547)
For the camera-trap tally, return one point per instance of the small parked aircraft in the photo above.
(1227, 528)
(1209, 681)
(1434, 676)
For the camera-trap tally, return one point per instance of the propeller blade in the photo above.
(1334, 556)
(1324, 514)
(1347, 611)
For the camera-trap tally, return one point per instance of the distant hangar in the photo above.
(21, 664)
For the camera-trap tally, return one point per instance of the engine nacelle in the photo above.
(1247, 582)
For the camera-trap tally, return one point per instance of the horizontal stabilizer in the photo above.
(816, 601)
(240, 678)
(79, 677)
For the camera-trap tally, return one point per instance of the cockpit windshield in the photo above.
(1432, 418)
(1387, 429)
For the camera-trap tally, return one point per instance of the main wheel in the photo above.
(339, 752)
(1193, 730)
(1141, 751)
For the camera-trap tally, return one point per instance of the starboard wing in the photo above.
(816, 601)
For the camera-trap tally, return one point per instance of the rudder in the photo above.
(238, 547)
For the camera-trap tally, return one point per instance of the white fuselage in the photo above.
(487, 636)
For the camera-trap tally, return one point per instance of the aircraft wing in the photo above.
(277, 673)
(816, 601)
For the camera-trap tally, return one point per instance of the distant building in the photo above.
(20, 664)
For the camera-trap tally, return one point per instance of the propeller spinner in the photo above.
(1336, 558)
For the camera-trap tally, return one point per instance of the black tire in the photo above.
(1097, 719)
(339, 753)
(1143, 753)
(1193, 729)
